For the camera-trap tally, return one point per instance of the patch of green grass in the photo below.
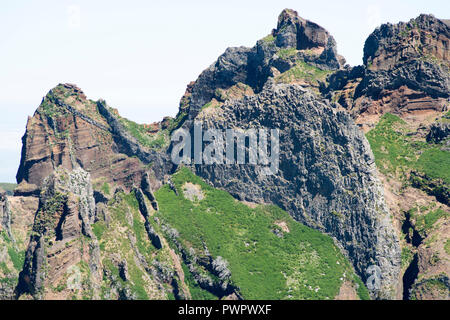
(447, 246)
(407, 256)
(303, 71)
(5, 236)
(396, 153)
(362, 291)
(125, 223)
(4, 268)
(206, 105)
(302, 264)
(268, 39)
(425, 222)
(99, 228)
(435, 163)
(286, 53)
(177, 122)
(17, 258)
(139, 231)
(139, 131)
(391, 147)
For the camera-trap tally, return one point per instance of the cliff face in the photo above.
(62, 239)
(400, 98)
(326, 178)
(112, 215)
(16, 221)
(70, 130)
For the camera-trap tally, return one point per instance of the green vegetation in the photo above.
(397, 154)
(447, 246)
(268, 39)
(435, 163)
(286, 53)
(303, 71)
(49, 109)
(175, 123)
(124, 236)
(140, 132)
(302, 263)
(206, 105)
(4, 268)
(407, 256)
(390, 145)
(425, 222)
(44, 217)
(17, 258)
(197, 293)
(432, 286)
(106, 189)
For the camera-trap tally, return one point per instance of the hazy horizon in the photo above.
(140, 56)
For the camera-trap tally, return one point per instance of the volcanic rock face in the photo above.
(70, 130)
(62, 239)
(16, 220)
(292, 80)
(294, 39)
(414, 54)
(57, 135)
(326, 179)
(406, 71)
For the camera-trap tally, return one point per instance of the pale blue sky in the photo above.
(139, 55)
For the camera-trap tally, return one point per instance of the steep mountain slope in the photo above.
(254, 251)
(400, 97)
(405, 71)
(298, 50)
(16, 221)
(327, 177)
(70, 130)
(101, 212)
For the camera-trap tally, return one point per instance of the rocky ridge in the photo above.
(293, 80)
(62, 238)
(293, 43)
(405, 71)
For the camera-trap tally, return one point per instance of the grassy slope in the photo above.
(114, 241)
(303, 264)
(12, 263)
(396, 153)
(302, 71)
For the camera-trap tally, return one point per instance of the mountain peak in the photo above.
(67, 89)
(295, 32)
(424, 36)
(287, 15)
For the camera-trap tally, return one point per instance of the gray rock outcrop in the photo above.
(62, 238)
(326, 179)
